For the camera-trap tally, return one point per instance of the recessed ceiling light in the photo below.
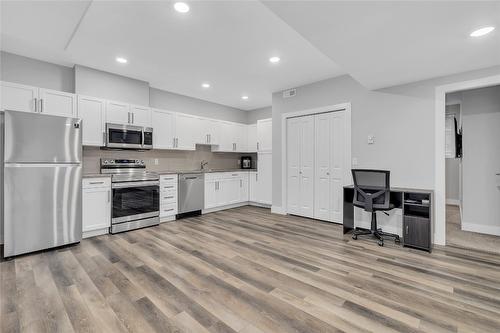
(121, 60)
(205, 85)
(244, 97)
(482, 31)
(181, 7)
(274, 60)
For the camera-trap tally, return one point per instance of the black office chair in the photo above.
(372, 192)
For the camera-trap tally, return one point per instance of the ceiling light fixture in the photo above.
(274, 60)
(205, 85)
(181, 7)
(121, 60)
(244, 97)
(482, 31)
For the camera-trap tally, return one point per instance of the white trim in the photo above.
(439, 235)
(167, 218)
(94, 233)
(453, 202)
(216, 209)
(328, 108)
(481, 228)
(258, 204)
(278, 210)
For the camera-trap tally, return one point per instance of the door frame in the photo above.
(323, 109)
(439, 233)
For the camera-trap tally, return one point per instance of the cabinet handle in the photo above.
(176, 142)
(133, 117)
(210, 138)
(407, 230)
(95, 183)
(257, 146)
(241, 182)
(35, 101)
(41, 105)
(169, 197)
(128, 117)
(109, 195)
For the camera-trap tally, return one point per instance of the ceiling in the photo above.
(228, 43)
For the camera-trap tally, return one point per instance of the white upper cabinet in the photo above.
(225, 136)
(18, 97)
(252, 138)
(265, 135)
(92, 111)
(57, 103)
(140, 115)
(118, 113)
(213, 128)
(186, 131)
(241, 138)
(163, 129)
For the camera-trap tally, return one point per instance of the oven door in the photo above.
(135, 201)
(124, 136)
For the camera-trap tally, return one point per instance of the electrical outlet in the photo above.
(156, 161)
(371, 139)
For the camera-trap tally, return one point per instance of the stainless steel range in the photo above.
(136, 200)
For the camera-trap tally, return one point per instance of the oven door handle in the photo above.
(136, 184)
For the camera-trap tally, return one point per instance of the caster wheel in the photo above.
(354, 237)
(380, 243)
(397, 240)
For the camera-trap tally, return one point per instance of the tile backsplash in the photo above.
(167, 159)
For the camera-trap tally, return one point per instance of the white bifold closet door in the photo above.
(300, 173)
(329, 165)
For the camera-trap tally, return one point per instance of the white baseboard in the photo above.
(258, 204)
(453, 202)
(481, 228)
(278, 210)
(93, 233)
(216, 209)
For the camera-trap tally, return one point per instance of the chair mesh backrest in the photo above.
(372, 181)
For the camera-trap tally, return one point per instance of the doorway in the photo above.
(472, 152)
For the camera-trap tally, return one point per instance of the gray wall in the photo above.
(174, 102)
(453, 165)
(481, 160)
(96, 83)
(257, 114)
(18, 69)
(401, 118)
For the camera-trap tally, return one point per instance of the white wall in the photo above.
(93, 82)
(18, 69)
(261, 113)
(170, 101)
(481, 160)
(401, 118)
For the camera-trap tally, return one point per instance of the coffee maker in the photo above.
(246, 162)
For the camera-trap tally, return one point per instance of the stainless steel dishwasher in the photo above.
(191, 193)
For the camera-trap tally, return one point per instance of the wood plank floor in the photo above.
(246, 270)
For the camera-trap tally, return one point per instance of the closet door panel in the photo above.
(322, 146)
(306, 193)
(293, 165)
(337, 164)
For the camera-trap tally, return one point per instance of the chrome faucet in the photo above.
(203, 164)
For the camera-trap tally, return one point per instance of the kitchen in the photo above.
(144, 154)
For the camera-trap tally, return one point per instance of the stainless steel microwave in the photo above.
(128, 136)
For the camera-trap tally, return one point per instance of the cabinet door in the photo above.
(252, 138)
(96, 208)
(241, 138)
(244, 190)
(92, 111)
(265, 173)
(337, 165)
(163, 129)
(416, 231)
(221, 192)
(185, 132)
(210, 194)
(18, 97)
(140, 115)
(225, 136)
(213, 126)
(293, 165)
(118, 113)
(252, 186)
(57, 103)
(231, 190)
(264, 135)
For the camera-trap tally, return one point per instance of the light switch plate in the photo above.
(371, 139)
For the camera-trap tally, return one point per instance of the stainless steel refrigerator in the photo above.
(42, 182)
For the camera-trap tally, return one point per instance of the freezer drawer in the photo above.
(42, 206)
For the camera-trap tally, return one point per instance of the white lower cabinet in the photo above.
(96, 206)
(252, 186)
(168, 197)
(264, 188)
(225, 188)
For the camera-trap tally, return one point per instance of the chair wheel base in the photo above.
(354, 237)
(380, 243)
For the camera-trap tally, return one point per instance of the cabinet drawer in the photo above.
(96, 182)
(168, 198)
(164, 188)
(168, 209)
(169, 178)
